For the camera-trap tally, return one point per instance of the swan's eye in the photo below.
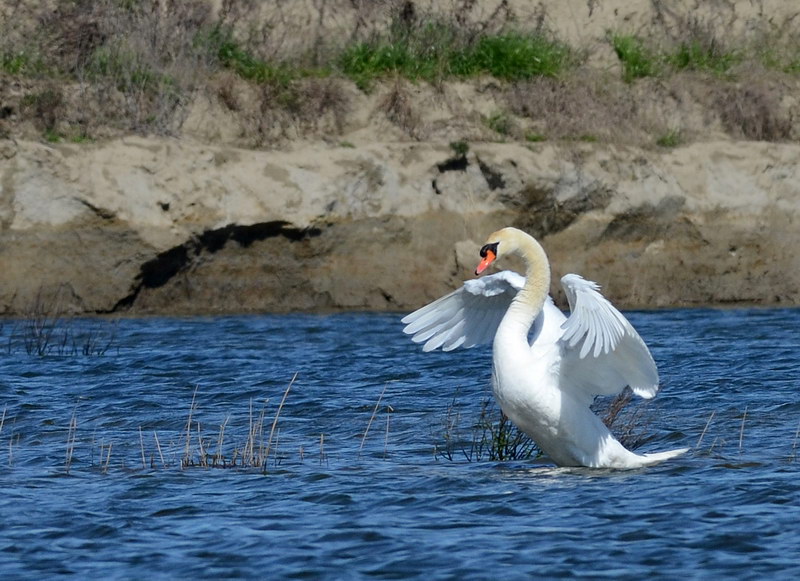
(489, 248)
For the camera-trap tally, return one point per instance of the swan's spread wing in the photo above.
(603, 353)
(466, 317)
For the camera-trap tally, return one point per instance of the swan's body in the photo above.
(547, 367)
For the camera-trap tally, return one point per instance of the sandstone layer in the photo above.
(146, 225)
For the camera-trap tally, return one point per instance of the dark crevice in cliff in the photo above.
(166, 265)
(493, 178)
(101, 213)
(458, 163)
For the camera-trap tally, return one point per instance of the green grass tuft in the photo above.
(671, 138)
(518, 56)
(638, 61)
(535, 137)
(434, 52)
(460, 148)
(232, 55)
(694, 55)
(22, 63)
(499, 122)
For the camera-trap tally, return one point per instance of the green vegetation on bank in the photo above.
(640, 60)
(702, 53)
(129, 66)
(435, 52)
(430, 50)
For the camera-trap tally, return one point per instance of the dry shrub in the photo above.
(133, 65)
(75, 30)
(579, 107)
(322, 105)
(224, 86)
(398, 107)
(753, 110)
(274, 111)
(45, 108)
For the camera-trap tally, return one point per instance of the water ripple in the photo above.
(352, 486)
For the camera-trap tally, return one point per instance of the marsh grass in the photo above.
(493, 437)
(210, 451)
(372, 419)
(71, 435)
(793, 454)
(252, 444)
(489, 436)
(46, 328)
(724, 436)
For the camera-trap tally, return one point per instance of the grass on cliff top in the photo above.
(436, 51)
(702, 52)
(89, 69)
(640, 60)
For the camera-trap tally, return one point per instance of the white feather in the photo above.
(546, 378)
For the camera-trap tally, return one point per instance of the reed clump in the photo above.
(210, 451)
(47, 328)
(493, 437)
(489, 437)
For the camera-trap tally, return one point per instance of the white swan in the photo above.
(547, 368)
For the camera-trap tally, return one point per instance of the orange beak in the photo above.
(485, 262)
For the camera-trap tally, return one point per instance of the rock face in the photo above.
(369, 208)
(146, 225)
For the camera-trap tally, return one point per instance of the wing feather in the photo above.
(468, 316)
(603, 353)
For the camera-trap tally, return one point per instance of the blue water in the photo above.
(333, 504)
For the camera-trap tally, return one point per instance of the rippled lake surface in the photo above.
(356, 479)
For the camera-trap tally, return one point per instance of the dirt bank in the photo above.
(160, 225)
(229, 194)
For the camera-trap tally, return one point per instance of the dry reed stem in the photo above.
(200, 448)
(255, 434)
(705, 429)
(369, 423)
(248, 454)
(260, 459)
(187, 452)
(275, 420)
(794, 444)
(389, 410)
(71, 435)
(158, 447)
(248, 443)
(108, 457)
(218, 457)
(141, 447)
(741, 431)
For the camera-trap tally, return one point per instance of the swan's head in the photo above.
(500, 243)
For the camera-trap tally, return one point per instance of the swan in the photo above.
(547, 368)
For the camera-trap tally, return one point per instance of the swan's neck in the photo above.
(529, 302)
